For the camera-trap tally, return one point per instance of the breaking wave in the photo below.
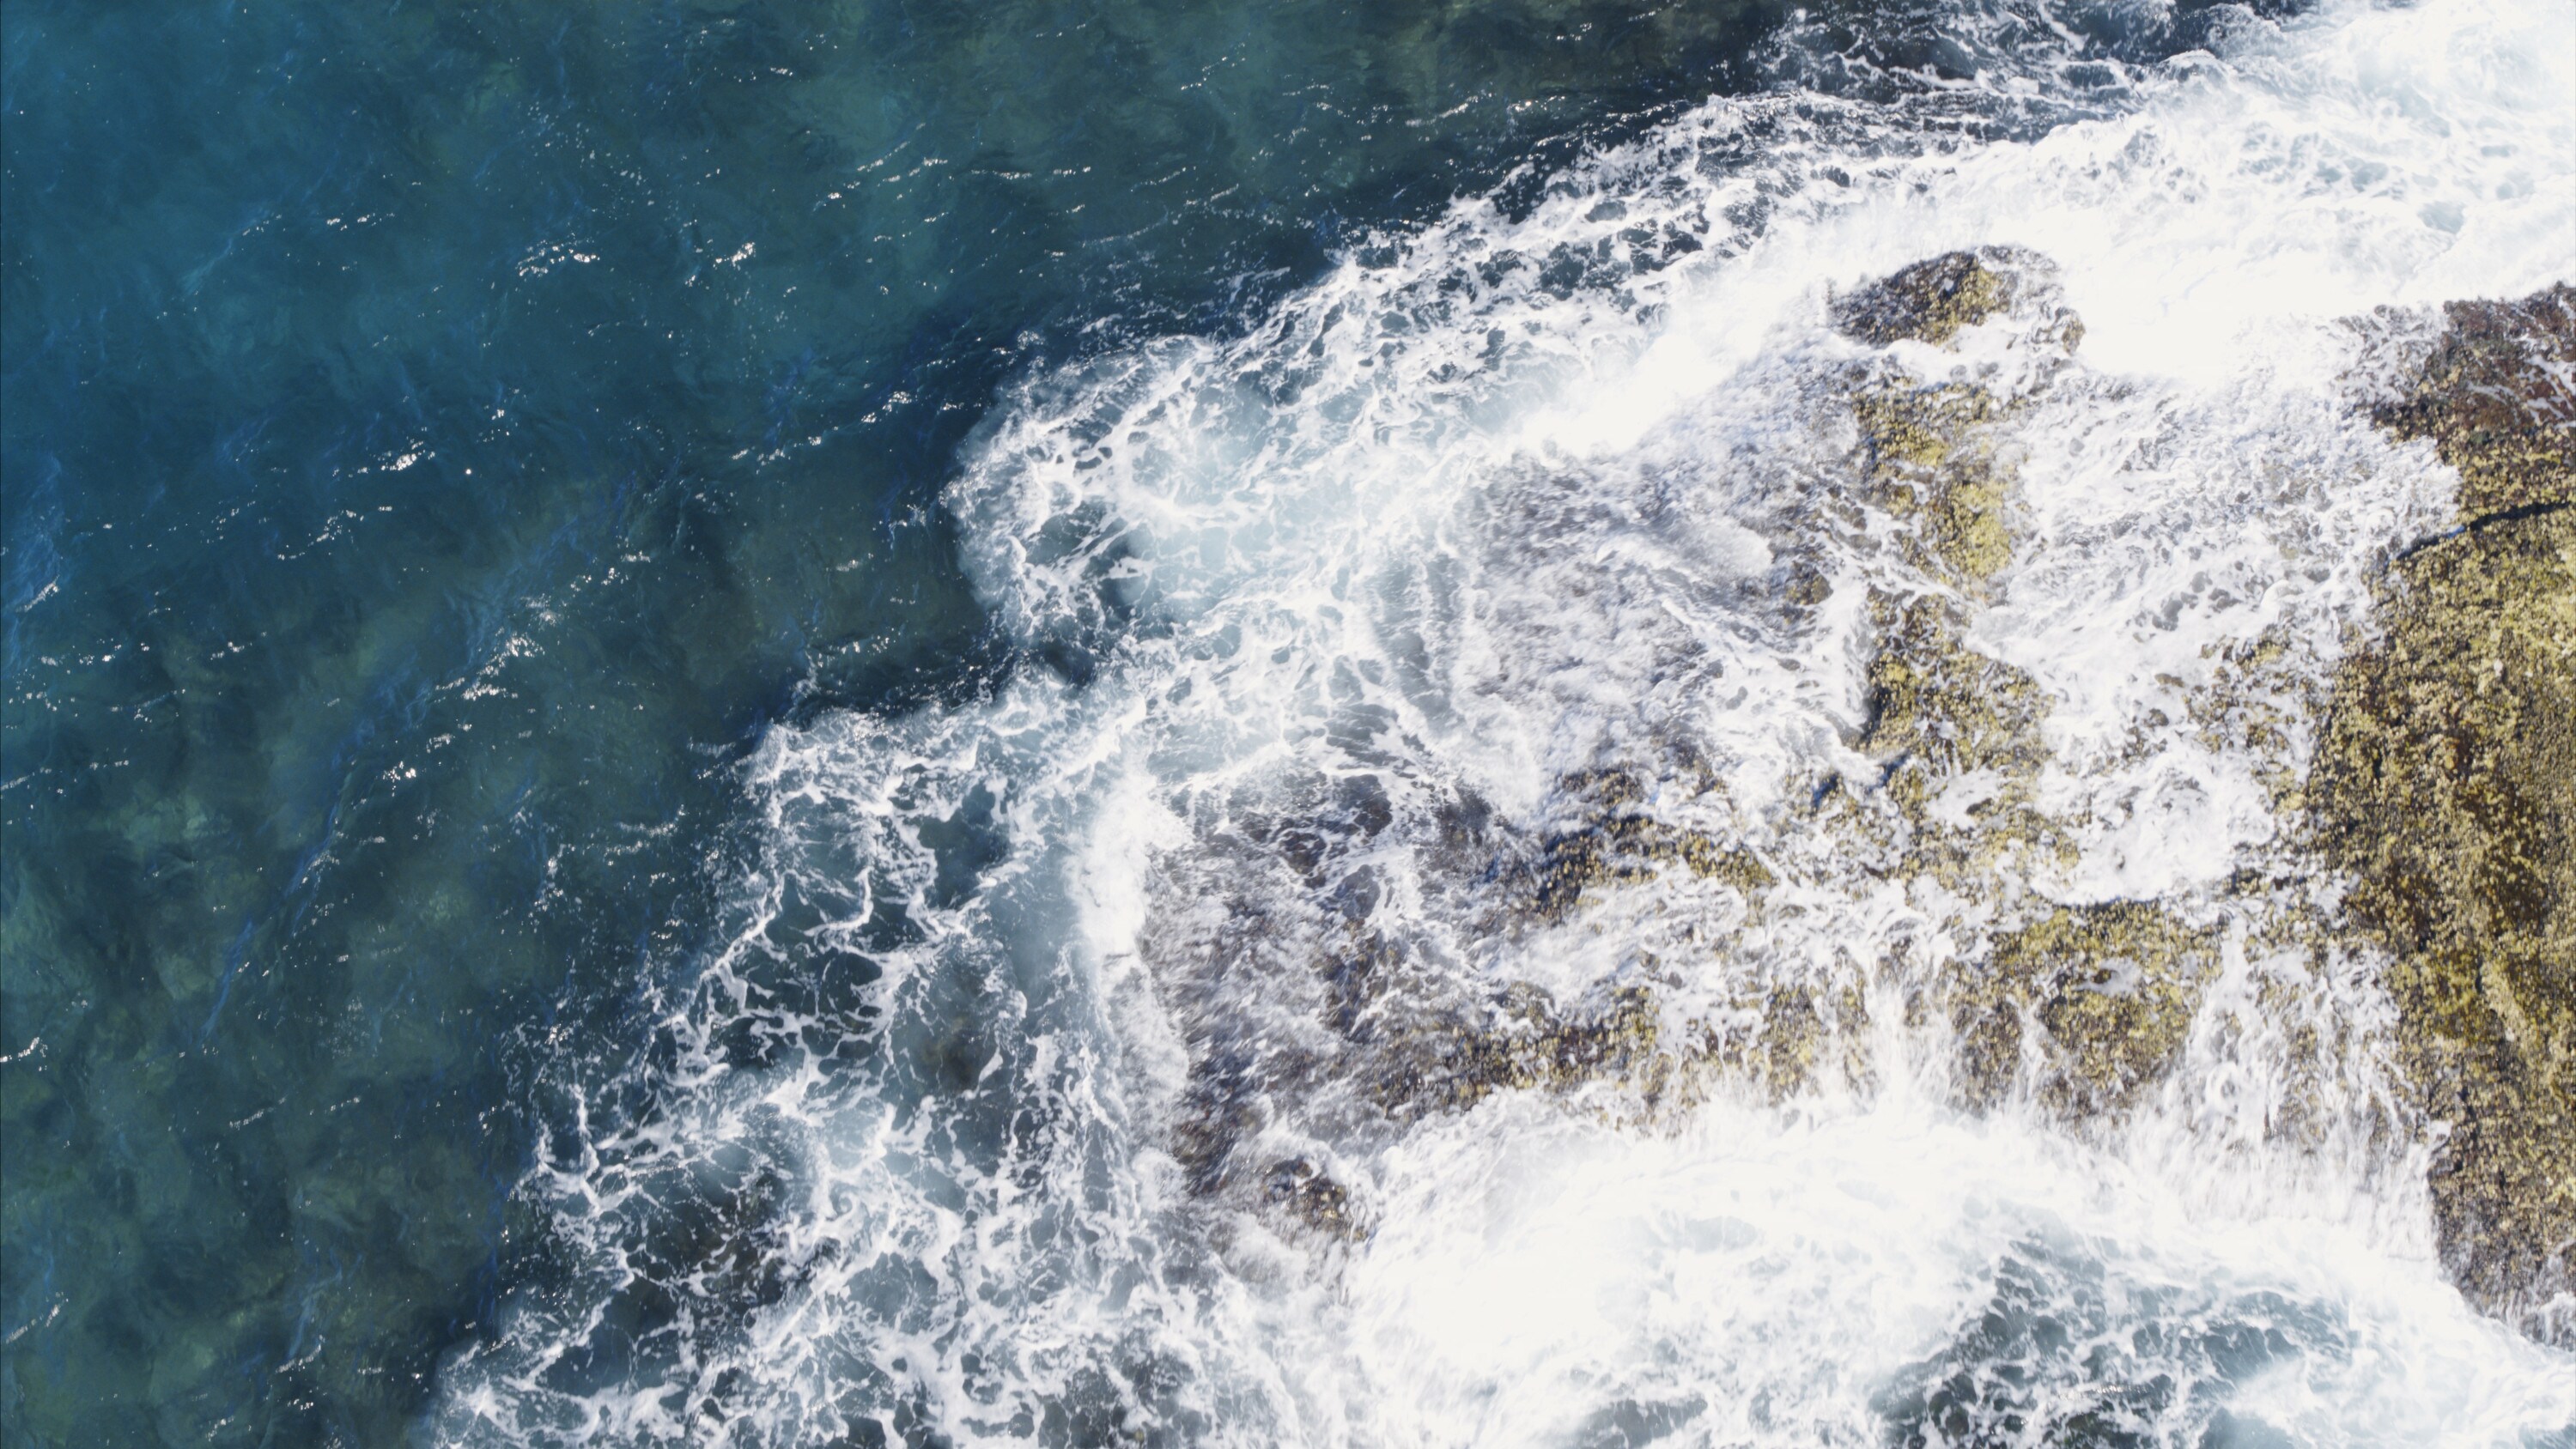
(1471, 924)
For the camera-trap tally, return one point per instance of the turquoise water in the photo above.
(483, 504)
(439, 440)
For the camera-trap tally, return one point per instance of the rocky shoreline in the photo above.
(2437, 807)
(2445, 788)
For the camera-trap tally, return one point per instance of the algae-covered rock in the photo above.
(1930, 449)
(1932, 695)
(1939, 710)
(1930, 301)
(1616, 842)
(1787, 1038)
(2113, 988)
(1936, 299)
(2253, 701)
(2115, 985)
(1932, 458)
(2446, 786)
(2497, 398)
(1530, 1043)
(2094, 1003)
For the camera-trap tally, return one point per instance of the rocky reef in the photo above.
(2084, 1006)
(2495, 397)
(2442, 787)
(1618, 841)
(2445, 787)
(2434, 773)
(1931, 454)
(1930, 301)
(2112, 988)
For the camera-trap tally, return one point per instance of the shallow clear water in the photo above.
(687, 686)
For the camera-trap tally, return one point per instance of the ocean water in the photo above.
(761, 725)
(439, 442)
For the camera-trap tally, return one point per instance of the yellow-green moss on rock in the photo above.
(1930, 301)
(1786, 1038)
(1931, 451)
(1620, 844)
(2113, 987)
(1529, 1043)
(1938, 708)
(2445, 785)
(1932, 459)
(2495, 397)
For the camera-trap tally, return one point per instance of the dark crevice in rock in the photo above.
(2488, 520)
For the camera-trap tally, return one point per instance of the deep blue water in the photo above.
(438, 441)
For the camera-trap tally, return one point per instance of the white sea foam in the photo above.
(1516, 498)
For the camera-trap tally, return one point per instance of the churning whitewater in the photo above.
(1490, 914)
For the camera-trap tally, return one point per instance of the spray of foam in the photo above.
(980, 1127)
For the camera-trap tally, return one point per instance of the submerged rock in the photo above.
(1531, 1044)
(2445, 787)
(1617, 842)
(1310, 1197)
